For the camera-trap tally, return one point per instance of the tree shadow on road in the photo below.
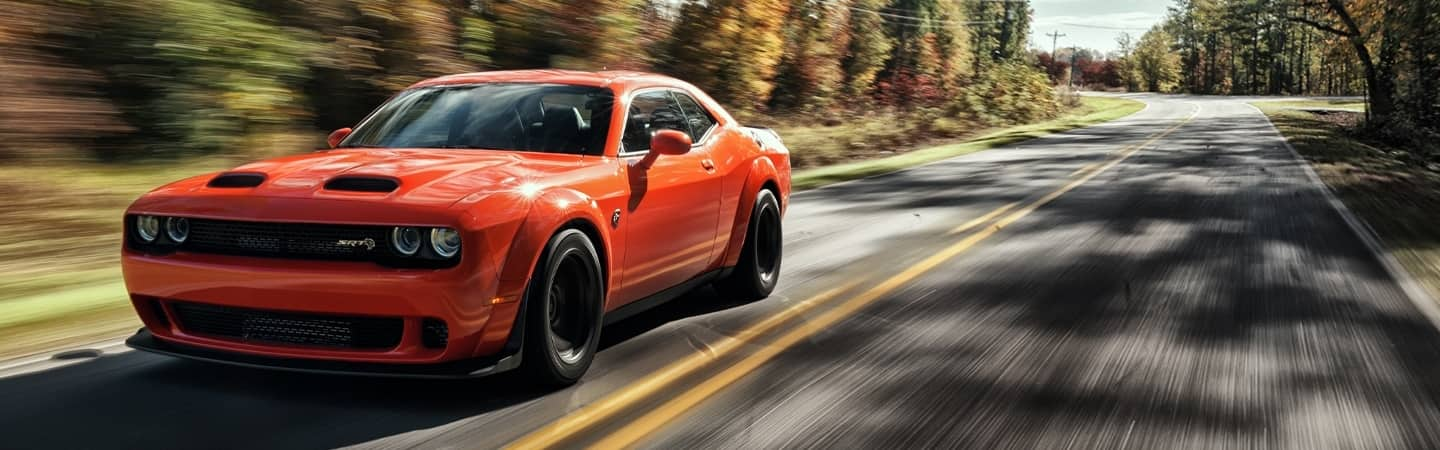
(1201, 294)
(138, 400)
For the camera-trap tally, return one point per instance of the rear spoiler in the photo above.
(765, 136)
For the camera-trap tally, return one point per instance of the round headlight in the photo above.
(406, 240)
(178, 229)
(445, 241)
(147, 228)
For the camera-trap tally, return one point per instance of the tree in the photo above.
(1128, 69)
(868, 48)
(1157, 66)
(1000, 29)
(736, 55)
(809, 75)
(1379, 68)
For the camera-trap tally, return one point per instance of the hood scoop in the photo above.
(362, 184)
(237, 180)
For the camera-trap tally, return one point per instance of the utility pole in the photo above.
(1073, 51)
(1054, 37)
(1054, 58)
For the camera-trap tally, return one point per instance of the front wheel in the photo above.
(563, 310)
(758, 269)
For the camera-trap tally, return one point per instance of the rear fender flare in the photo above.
(762, 170)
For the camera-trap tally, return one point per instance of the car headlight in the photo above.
(405, 240)
(178, 229)
(445, 242)
(147, 228)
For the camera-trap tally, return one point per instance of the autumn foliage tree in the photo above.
(732, 47)
(810, 75)
(163, 78)
(867, 50)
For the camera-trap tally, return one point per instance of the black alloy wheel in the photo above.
(564, 304)
(758, 269)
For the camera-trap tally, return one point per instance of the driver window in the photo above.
(651, 112)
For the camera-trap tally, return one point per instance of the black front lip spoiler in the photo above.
(470, 368)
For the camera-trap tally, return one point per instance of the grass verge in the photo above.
(1092, 110)
(59, 270)
(1398, 198)
(73, 293)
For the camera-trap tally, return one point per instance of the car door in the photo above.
(673, 203)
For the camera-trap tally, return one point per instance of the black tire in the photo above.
(758, 269)
(563, 310)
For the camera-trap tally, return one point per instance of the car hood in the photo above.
(432, 177)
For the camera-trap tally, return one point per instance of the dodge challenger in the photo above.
(471, 224)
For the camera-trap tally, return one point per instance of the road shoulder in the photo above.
(1390, 203)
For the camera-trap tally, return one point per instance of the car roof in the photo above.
(620, 79)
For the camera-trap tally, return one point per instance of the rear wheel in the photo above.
(563, 310)
(758, 269)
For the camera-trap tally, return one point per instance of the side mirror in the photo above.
(337, 136)
(670, 142)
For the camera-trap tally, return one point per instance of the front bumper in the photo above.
(479, 323)
(468, 368)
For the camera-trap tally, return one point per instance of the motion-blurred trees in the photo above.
(810, 74)
(868, 47)
(731, 47)
(931, 53)
(148, 78)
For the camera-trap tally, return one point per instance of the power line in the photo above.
(1102, 27)
(918, 20)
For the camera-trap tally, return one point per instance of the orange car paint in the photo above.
(680, 216)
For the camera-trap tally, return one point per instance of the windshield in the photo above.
(524, 117)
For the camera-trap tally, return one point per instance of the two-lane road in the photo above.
(1172, 279)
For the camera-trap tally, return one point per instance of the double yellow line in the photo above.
(638, 429)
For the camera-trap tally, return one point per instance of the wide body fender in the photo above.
(546, 214)
(761, 171)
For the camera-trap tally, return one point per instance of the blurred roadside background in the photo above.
(102, 100)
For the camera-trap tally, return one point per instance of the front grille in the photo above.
(261, 326)
(288, 240)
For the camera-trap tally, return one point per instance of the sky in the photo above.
(1088, 23)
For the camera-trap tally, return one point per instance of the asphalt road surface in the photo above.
(1172, 279)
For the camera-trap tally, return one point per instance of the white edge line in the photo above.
(1417, 293)
(103, 345)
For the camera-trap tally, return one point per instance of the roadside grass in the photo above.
(59, 266)
(1092, 110)
(59, 270)
(1400, 200)
(1346, 104)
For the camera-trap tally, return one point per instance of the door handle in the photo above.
(707, 164)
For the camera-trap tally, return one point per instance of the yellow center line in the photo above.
(1087, 168)
(604, 408)
(982, 219)
(594, 413)
(675, 408)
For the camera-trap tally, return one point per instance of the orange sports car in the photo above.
(472, 224)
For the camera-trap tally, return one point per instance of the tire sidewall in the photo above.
(541, 354)
(764, 200)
